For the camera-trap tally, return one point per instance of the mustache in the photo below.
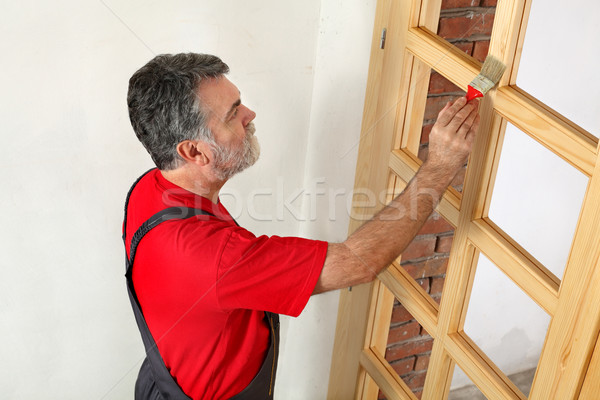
(250, 129)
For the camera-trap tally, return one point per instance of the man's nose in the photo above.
(249, 117)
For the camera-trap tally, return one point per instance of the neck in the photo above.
(195, 182)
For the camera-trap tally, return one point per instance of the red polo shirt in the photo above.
(203, 284)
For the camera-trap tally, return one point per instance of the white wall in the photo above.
(69, 156)
(537, 196)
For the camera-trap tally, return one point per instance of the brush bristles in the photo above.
(493, 69)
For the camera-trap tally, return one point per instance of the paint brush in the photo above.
(490, 74)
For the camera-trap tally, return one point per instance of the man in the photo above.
(209, 289)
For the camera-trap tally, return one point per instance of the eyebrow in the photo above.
(233, 107)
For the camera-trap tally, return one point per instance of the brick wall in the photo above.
(467, 24)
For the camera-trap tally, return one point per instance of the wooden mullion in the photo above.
(412, 296)
(460, 266)
(416, 102)
(430, 14)
(401, 137)
(591, 384)
(380, 313)
(531, 276)
(384, 375)
(455, 294)
(415, 10)
(439, 372)
(567, 140)
(381, 318)
(366, 388)
(405, 166)
(492, 382)
(574, 329)
(506, 43)
(404, 110)
(482, 206)
(441, 366)
(419, 80)
(507, 30)
(461, 269)
(549, 128)
(455, 65)
(521, 29)
(448, 207)
(471, 260)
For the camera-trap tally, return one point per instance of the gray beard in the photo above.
(229, 162)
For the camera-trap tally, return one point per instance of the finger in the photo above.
(451, 108)
(448, 113)
(470, 137)
(475, 103)
(460, 117)
(448, 104)
(466, 126)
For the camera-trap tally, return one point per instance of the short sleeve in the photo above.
(275, 274)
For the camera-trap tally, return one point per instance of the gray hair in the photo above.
(164, 108)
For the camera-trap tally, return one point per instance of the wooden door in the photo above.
(404, 50)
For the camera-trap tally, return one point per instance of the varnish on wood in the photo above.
(405, 48)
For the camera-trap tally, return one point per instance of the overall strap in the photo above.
(168, 388)
(127, 199)
(158, 218)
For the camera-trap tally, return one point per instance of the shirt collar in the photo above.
(176, 196)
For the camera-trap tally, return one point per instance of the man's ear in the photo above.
(194, 152)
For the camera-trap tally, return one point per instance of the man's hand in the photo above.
(379, 241)
(452, 136)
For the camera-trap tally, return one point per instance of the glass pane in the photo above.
(537, 198)
(505, 323)
(462, 388)
(564, 80)
(467, 24)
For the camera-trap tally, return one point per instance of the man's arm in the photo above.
(379, 241)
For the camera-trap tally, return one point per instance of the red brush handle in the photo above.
(473, 93)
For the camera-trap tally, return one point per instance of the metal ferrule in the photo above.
(482, 84)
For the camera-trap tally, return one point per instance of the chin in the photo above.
(254, 149)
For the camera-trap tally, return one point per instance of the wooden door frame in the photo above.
(394, 106)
